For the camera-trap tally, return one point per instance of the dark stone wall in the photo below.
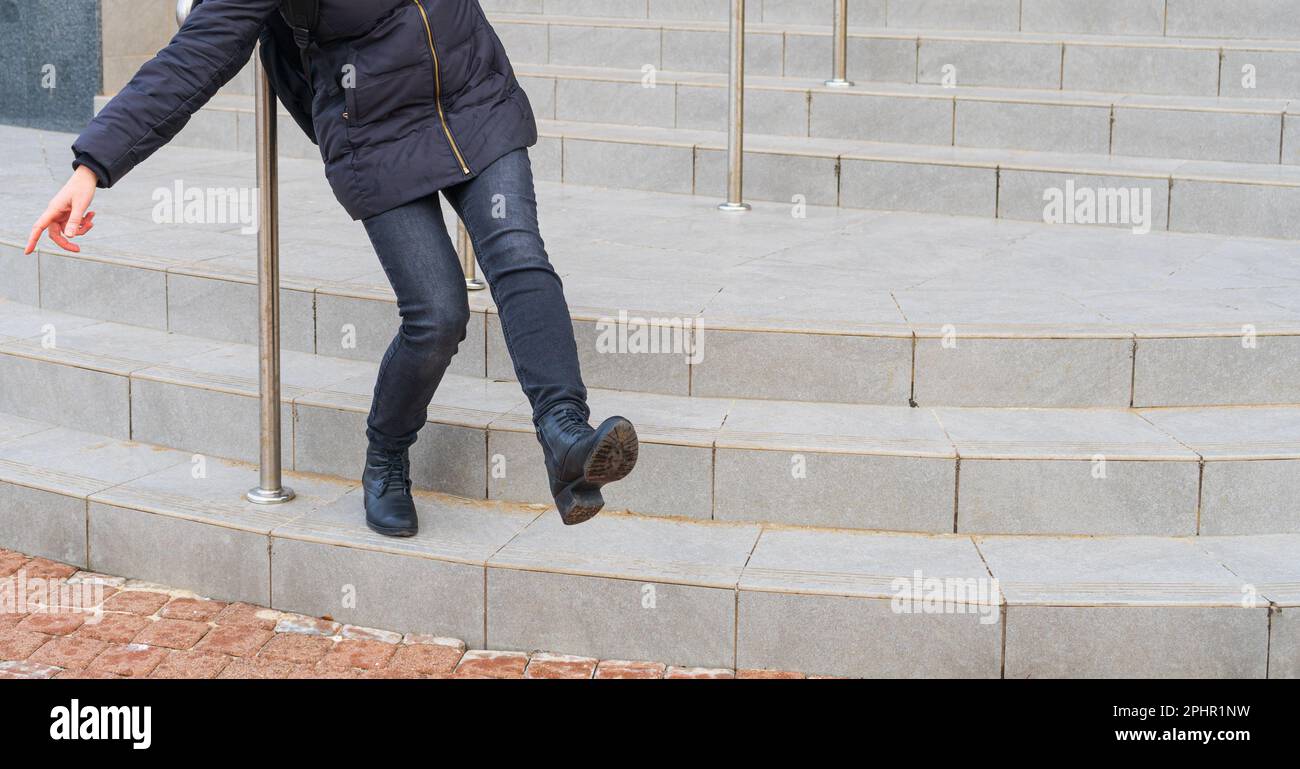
(46, 43)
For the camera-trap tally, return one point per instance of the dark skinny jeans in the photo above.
(499, 208)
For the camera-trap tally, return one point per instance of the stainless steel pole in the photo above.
(271, 490)
(468, 263)
(736, 114)
(840, 76)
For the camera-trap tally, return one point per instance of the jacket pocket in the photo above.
(388, 80)
(377, 97)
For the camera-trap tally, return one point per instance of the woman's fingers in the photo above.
(67, 216)
(56, 225)
(31, 239)
(41, 224)
(55, 231)
(80, 202)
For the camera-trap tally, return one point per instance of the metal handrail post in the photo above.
(271, 489)
(468, 262)
(840, 48)
(736, 114)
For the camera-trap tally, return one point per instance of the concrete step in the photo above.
(1175, 18)
(997, 313)
(1193, 128)
(971, 470)
(843, 338)
(1148, 64)
(1245, 199)
(1249, 199)
(709, 594)
(1094, 123)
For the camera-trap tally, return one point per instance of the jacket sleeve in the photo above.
(210, 49)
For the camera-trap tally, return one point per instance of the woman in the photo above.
(410, 98)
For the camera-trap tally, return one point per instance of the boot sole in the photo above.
(615, 453)
(579, 502)
(611, 460)
(391, 532)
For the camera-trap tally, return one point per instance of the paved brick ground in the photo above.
(151, 631)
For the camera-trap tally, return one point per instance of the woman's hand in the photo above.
(66, 216)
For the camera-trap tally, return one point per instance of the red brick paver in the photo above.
(627, 669)
(349, 653)
(424, 659)
(41, 568)
(74, 652)
(114, 628)
(235, 640)
(248, 615)
(260, 667)
(142, 602)
(173, 633)
(133, 660)
(53, 624)
(146, 630)
(296, 648)
(11, 562)
(481, 663)
(194, 609)
(16, 645)
(87, 674)
(191, 663)
(544, 665)
(770, 674)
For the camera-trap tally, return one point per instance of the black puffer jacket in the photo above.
(410, 96)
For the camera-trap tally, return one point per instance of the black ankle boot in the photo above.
(386, 483)
(579, 460)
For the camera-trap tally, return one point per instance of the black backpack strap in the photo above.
(302, 17)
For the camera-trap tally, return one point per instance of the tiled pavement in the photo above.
(150, 631)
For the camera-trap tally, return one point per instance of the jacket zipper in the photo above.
(437, 80)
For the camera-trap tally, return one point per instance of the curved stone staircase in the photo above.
(880, 438)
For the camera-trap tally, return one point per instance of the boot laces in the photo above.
(572, 422)
(395, 473)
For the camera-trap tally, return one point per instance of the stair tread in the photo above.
(882, 88)
(1137, 570)
(855, 273)
(1118, 571)
(550, 19)
(1023, 160)
(1182, 435)
(982, 157)
(1235, 104)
